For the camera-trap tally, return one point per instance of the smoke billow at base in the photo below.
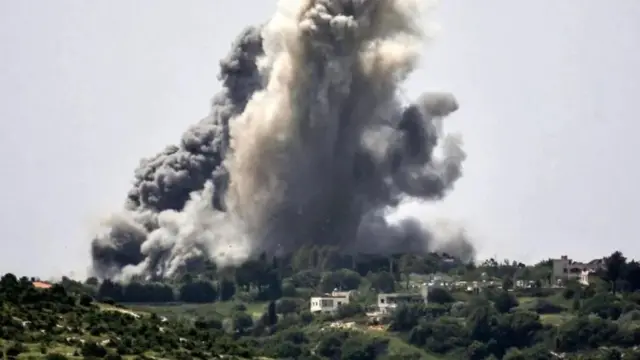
(307, 143)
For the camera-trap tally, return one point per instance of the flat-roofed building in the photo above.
(327, 304)
(389, 302)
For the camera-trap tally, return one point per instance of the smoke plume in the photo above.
(307, 143)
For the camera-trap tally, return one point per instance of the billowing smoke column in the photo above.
(307, 143)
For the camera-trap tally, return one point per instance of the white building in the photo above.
(328, 303)
(389, 302)
(348, 294)
(566, 269)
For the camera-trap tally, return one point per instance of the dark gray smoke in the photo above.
(307, 143)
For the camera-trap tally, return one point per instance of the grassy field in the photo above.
(555, 319)
(398, 346)
(209, 310)
(551, 319)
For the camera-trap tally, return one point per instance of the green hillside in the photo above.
(261, 310)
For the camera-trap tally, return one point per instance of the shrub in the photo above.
(504, 302)
(349, 310)
(535, 292)
(56, 356)
(440, 296)
(239, 307)
(630, 317)
(286, 306)
(93, 349)
(15, 349)
(543, 306)
(86, 300)
(604, 305)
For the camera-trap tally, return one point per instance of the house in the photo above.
(348, 294)
(566, 269)
(440, 277)
(524, 284)
(388, 302)
(41, 285)
(327, 303)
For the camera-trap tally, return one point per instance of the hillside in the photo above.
(261, 310)
(53, 324)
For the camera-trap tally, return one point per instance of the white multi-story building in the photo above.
(566, 269)
(389, 302)
(328, 303)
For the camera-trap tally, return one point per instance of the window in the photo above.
(326, 302)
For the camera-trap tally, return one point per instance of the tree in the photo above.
(477, 351)
(15, 349)
(110, 290)
(286, 306)
(514, 354)
(56, 356)
(604, 305)
(85, 300)
(504, 302)
(227, 289)
(349, 310)
(92, 349)
(544, 306)
(272, 288)
(611, 354)
(410, 263)
(362, 347)
(632, 275)
(480, 319)
(575, 306)
(439, 295)
(507, 283)
(287, 350)
(306, 279)
(271, 316)
(242, 322)
(614, 264)
(198, 292)
(382, 282)
(330, 345)
(343, 279)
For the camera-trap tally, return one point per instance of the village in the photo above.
(563, 270)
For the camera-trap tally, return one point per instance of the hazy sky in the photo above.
(548, 92)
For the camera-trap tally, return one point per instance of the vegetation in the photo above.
(261, 310)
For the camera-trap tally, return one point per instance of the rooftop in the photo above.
(41, 285)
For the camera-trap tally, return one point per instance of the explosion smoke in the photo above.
(307, 143)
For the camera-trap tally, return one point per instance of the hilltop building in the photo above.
(566, 269)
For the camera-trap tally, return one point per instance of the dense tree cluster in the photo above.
(309, 270)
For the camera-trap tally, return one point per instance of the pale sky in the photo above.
(548, 92)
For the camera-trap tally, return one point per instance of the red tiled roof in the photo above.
(41, 285)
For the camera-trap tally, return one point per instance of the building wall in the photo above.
(327, 303)
(566, 269)
(388, 302)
